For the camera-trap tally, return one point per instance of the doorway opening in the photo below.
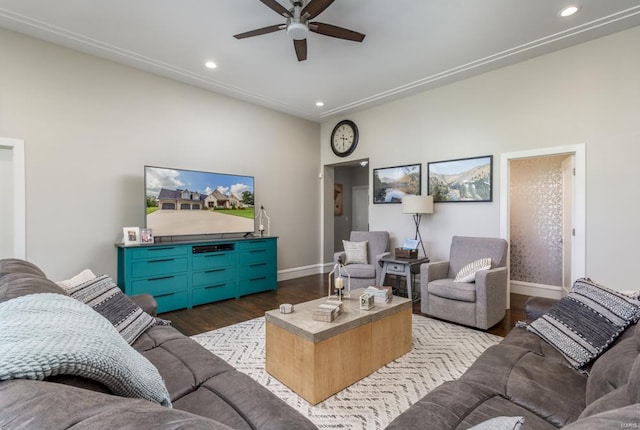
(543, 218)
(12, 188)
(350, 200)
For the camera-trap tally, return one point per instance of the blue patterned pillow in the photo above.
(585, 322)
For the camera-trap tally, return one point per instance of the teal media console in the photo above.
(186, 274)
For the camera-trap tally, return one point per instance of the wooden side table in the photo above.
(402, 267)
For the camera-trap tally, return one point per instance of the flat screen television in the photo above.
(181, 202)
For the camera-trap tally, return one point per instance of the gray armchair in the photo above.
(364, 275)
(480, 304)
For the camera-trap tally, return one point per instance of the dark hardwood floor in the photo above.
(220, 314)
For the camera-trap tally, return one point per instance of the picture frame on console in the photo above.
(461, 180)
(390, 184)
(131, 235)
(146, 235)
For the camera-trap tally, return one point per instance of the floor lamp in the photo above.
(418, 205)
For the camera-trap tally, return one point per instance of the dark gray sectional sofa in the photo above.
(524, 376)
(206, 392)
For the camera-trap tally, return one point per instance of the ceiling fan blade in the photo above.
(259, 31)
(277, 8)
(315, 8)
(301, 49)
(335, 31)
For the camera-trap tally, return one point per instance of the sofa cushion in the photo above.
(15, 265)
(615, 399)
(549, 388)
(28, 404)
(585, 322)
(355, 252)
(20, 278)
(449, 289)
(204, 384)
(106, 298)
(461, 405)
(612, 369)
(501, 423)
(626, 417)
(468, 272)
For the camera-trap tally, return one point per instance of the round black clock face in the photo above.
(344, 138)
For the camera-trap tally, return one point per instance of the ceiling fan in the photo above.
(298, 24)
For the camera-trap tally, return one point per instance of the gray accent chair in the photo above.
(364, 275)
(480, 304)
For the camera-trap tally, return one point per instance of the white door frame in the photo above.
(16, 146)
(578, 266)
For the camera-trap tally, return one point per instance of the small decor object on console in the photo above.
(146, 235)
(131, 235)
(367, 301)
(262, 218)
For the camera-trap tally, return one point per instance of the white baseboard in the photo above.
(299, 272)
(537, 290)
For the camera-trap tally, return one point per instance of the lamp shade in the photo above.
(417, 204)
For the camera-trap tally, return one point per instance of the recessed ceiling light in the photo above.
(210, 65)
(568, 11)
(319, 104)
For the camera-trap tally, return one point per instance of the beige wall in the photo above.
(89, 127)
(587, 94)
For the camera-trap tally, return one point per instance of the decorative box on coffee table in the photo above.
(318, 359)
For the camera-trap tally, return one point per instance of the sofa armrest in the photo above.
(432, 271)
(147, 303)
(339, 257)
(537, 306)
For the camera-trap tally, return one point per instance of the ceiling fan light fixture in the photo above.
(297, 31)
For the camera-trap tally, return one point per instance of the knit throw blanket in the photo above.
(50, 334)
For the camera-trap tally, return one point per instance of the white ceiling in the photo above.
(410, 45)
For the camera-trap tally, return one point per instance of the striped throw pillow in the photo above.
(355, 252)
(586, 321)
(468, 272)
(106, 298)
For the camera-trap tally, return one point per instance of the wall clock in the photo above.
(344, 138)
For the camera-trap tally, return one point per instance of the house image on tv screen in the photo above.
(193, 200)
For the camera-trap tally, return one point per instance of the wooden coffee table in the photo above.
(318, 359)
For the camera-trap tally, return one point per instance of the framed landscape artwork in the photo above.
(462, 180)
(390, 184)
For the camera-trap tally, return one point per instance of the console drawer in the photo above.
(158, 267)
(256, 244)
(150, 252)
(214, 292)
(255, 270)
(255, 256)
(213, 260)
(172, 301)
(257, 284)
(213, 276)
(159, 284)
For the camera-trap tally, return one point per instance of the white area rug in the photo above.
(441, 352)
